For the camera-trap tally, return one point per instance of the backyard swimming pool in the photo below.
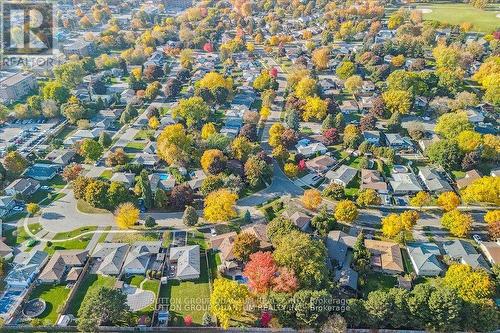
(164, 176)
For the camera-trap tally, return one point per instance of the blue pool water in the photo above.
(164, 176)
(8, 299)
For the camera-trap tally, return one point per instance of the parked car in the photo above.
(477, 238)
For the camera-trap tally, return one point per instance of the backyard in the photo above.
(456, 13)
(377, 281)
(91, 281)
(54, 296)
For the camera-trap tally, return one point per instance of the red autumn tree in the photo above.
(274, 72)
(188, 320)
(208, 47)
(265, 319)
(285, 281)
(302, 165)
(260, 271)
(330, 136)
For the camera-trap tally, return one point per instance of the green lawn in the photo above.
(15, 236)
(84, 207)
(378, 281)
(135, 146)
(75, 244)
(197, 238)
(136, 237)
(107, 174)
(54, 296)
(134, 280)
(188, 297)
(143, 134)
(91, 281)
(457, 13)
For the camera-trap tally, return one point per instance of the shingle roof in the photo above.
(466, 253)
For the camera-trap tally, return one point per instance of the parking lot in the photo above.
(25, 135)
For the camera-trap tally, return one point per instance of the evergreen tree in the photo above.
(328, 123)
(293, 120)
(339, 121)
(190, 216)
(147, 194)
(361, 256)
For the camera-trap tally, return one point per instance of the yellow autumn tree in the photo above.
(275, 132)
(219, 206)
(483, 190)
(459, 224)
(320, 58)
(346, 211)
(448, 201)
(291, 170)
(468, 140)
(306, 87)
(264, 113)
(207, 130)
(391, 225)
(227, 300)
(473, 285)
(492, 216)
(209, 156)
(420, 199)
(126, 215)
(153, 123)
(311, 199)
(315, 108)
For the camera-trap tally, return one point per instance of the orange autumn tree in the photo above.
(260, 271)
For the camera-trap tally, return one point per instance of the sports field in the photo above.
(455, 13)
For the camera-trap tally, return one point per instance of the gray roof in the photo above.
(140, 253)
(405, 182)
(344, 174)
(433, 180)
(112, 256)
(188, 260)
(425, 256)
(465, 253)
(25, 265)
(337, 244)
(347, 277)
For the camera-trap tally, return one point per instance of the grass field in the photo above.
(75, 244)
(54, 297)
(136, 237)
(91, 281)
(378, 281)
(456, 13)
(15, 236)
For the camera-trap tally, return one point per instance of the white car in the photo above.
(213, 232)
(477, 239)
(18, 209)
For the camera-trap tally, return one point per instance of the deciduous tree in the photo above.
(459, 224)
(227, 300)
(346, 211)
(219, 206)
(126, 215)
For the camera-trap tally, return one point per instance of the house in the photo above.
(385, 256)
(17, 86)
(80, 48)
(309, 149)
(7, 202)
(299, 219)
(469, 178)
(60, 263)
(41, 171)
(148, 160)
(162, 181)
(25, 267)
(368, 86)
(22, 186)
(433, 180)
(495, 173)
(343, 175)
(404, 183)
(61, 156)
(492, 251)
(464, 253)
(320, 163)
(127, 178)
(424, 258)
(81, 134)
(5, 250)
(372, 179)
(224, 244)
(337, 245)
(110, 257)
(397, 142)
(187, 262)
(139, 256)
(348, 107)
(373, 137)
(197, 178)
(474, 115)
(259, 230)
(347, 278)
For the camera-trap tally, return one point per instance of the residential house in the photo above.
(320, 163)
(299, 219)
(224, 244)
(495, 173)
(197, 178)
(492, 251)
(367, 87)
(17, 86)
(464, 253)
(139, 256)
(60, 264)
(127, 178)
(433, 180)
(25, 267)
(162, 181)
(475, 116)
(404, 183)
(424, 258)
(5, 250)
(41, 171)
(385, 256)
(259, 230)
(308, 148)
(348, 107)
(187, 262)
(148, 160)
(343, 175)
(7, 202)
(373, 137)
(80, 48)
(23, 187)
(469, 178)
(337, 244)
(397, 142)
(347, 279)
(110, 257)
(372, 179)
(61, 156)
(82, 134)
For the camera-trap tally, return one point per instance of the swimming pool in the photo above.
(8, 299)
(164, 176)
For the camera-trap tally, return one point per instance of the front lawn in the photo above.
(15, 236)
(54, 296)
(188, 297)
(86, 208)
(74, 244)
(196, 238)
(91, 281)
(136, 237)
(107, 174)
(135, 146)
(378, 281)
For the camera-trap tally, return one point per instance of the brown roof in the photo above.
(300, 219)
(259, 230)
(372, 179)
(386, 255)
(74, 273)
(5, 250)
(320, 163)
(470, 176)
(62, 259)
(493, 251)
(224, 243)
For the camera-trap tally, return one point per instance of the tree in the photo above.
(190, 216)
(397, 101)
(160, 198)
(448, 201)
(334, 191)
(186, 58)
(70, 73)
(15, 163)
(32, 208)
(96, 193)
(321, 57)
(315, 108)
(150, 222)
(485, 189)
(244, 245)
(181, 196)
(305, 256)
(102, 305)
(174, 144)
(126, 215)
(210, 157)
(193, 110)
(105, 140)
(306, 87)
(147, 193)
(293, 120)
(473, 285)
(278, 227)
(117, 194)
(459, 224)
(80, 184)
(468, 141)
(352, 136)
(492, 216)
(353, 84)
(74, 112)
(207, 130)
(71, 172)
(275, 132)
(241, 148)
(263, 81)
(334, 324)
(256, 170)
(90, 149)
(260, 271)
(420, 199)
(291, 170)
(322, 222)
(450, 125)
(346, 211)
(153, 123)
(311, 199)
(345, 70)
(361, 256)
(227, 300)
(394, 225)
(219, 206)
(445, 153)
(55, 90)
(368, 197)
(285, 281)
